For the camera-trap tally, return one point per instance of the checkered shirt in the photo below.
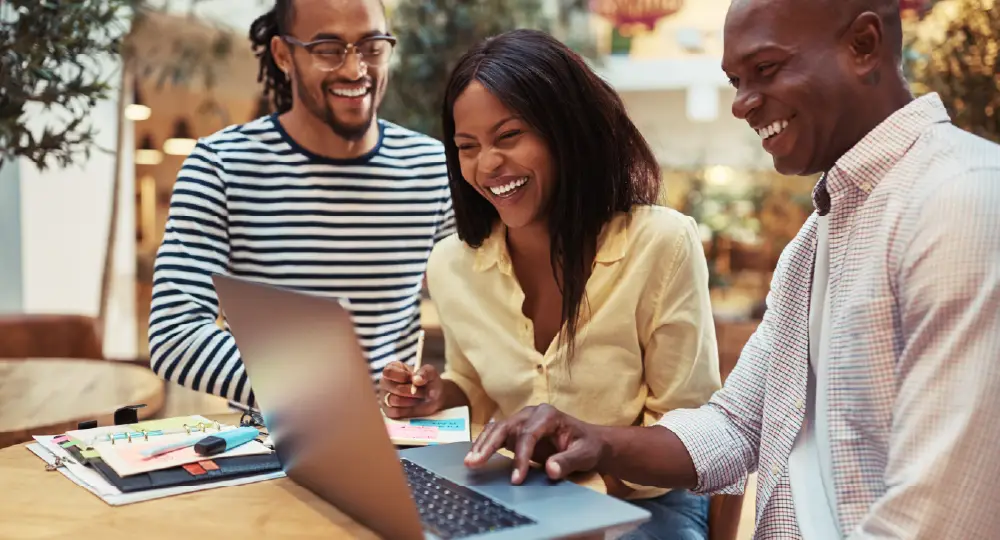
(914, 365)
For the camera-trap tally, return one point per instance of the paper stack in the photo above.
(118, 475)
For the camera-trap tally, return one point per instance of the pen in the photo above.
(170, 447)
(420, 354)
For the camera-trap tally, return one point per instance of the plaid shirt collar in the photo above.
(879, 151)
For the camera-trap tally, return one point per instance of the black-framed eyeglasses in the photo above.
(330, 54)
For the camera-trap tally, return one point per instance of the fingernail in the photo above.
(516, 476)
(555, 469)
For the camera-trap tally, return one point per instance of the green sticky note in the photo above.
(90, 453)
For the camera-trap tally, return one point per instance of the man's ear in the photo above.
(281, 55)
(865, 41)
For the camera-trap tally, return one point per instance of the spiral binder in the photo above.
(144, 435)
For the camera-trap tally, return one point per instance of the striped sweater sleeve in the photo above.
(186, 344)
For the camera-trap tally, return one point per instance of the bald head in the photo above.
(832, 17)
(887, 12)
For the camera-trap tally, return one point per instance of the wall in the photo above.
(682, 143)
(10, 238)
(64, 229)
(238, 14)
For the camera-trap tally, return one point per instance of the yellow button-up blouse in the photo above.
(645, 345)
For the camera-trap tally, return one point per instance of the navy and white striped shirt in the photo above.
(251, 202)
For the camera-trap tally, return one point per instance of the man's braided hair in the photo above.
(275, 22)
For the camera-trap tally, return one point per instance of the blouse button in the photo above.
(540, 368)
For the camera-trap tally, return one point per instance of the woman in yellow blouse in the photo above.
(565, 284)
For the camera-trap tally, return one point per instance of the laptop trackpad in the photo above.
(493, 479)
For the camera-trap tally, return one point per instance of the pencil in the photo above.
(420, 354)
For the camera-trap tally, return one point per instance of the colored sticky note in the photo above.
(443, 424)
(208, 465)
(194, 469)
(403, 431)
(60, 439)
(90, 453)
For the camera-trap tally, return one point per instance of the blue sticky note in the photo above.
(450, 424)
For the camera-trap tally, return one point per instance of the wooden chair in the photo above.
(50, 336)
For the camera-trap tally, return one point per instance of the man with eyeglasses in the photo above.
(321, 196)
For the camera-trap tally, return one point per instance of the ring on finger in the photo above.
(386, 400)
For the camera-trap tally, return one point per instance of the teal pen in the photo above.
(224, 441)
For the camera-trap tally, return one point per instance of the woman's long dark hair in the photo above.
(275, 22)
(603, 164)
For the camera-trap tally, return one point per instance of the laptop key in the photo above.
(453, 511)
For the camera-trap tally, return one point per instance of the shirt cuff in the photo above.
(702, 431)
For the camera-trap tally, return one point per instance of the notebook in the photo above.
(75, 456)
(126, 458)
(115, 451)
(202, 472)
(444, 427)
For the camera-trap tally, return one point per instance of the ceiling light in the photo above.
(147, 154)
(181, 143)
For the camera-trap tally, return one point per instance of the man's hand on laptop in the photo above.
(542, 434)
(405, 394)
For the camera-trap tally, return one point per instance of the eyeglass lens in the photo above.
(332, 54)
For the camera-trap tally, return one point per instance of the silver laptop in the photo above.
(313, 386)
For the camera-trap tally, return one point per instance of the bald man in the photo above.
(868, 400)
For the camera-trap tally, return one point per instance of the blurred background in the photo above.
(93, 132)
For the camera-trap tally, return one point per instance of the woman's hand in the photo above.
(406, 395)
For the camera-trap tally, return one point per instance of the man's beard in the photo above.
(350, 132)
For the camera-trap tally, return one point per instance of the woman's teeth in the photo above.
(508, 189)
(773, 129)
(350, 92)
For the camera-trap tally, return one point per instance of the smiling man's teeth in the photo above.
(773, 129)
(507, 188)
(350, 92)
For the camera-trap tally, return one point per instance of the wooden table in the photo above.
(45, 396)
(38, 504)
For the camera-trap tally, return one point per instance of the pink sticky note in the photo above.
(60, 439)
(405, 431)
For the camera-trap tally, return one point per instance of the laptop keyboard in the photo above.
(452, 511)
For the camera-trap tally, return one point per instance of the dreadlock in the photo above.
(273, 23)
